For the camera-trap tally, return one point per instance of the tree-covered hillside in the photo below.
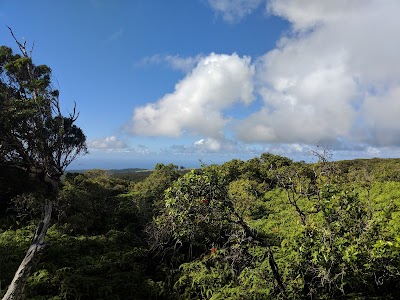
(266, 228)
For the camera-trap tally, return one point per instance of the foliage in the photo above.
(148, 194)
(98, 267)
(240, 230)
(202, 229)
(89, 201)
(13, 244)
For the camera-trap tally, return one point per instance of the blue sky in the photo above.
(182, 81)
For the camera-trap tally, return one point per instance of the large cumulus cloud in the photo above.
(334, 78)
(196, 106)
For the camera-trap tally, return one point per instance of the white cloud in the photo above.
(234, 10)
(373, 151)
(334, 78)
(208, 144)
(196, 106)
(107, 143)
(305, 14)
(303, 104)
(381, 114)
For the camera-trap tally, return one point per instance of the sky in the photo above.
(205, 81)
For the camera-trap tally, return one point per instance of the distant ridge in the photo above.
(115, 171)
(128, 170)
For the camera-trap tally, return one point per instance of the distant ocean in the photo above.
(146, 162)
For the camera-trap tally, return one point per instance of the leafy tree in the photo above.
(36, 138)
(149, 193)
(341, 243)
(202, 229)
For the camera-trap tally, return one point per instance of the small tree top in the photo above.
(34, 135)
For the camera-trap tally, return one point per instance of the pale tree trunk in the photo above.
(15, 290)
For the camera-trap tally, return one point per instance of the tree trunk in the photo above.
(15, 290)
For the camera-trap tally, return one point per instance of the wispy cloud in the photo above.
(107, 143)
(211, 146)
(184, 64)
(142, 149)
(176, 62)
(234, 10)
(116, 35)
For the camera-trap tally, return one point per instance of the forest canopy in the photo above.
(266, 228)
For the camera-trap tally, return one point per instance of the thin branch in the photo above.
(74, 116)
(21, 47)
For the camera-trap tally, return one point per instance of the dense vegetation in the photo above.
(266, 228)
